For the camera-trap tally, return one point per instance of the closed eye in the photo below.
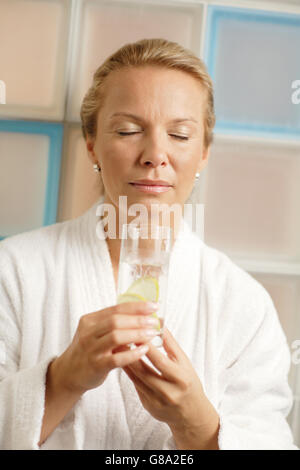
(181, 137)
(127, 133)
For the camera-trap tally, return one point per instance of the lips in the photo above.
(149, 182)
(154, 187)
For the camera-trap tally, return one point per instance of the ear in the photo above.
(90, 149)
(204, 160)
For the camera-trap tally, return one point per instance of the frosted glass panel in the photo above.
(285, 293)
(106, 26)
(252, 200)
(23, 180)
(252, 57)
(80, 185)
(33, 46)
(30, 155)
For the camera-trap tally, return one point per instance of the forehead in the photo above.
(154, 90)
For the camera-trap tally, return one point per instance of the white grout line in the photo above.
(267, 267)
(74, 38)
(203, 31)
(252, 139)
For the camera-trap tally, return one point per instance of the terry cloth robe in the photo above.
(222, 318)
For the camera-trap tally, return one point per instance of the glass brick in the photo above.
(252, 200)
(285, 293)
(252, 58)
(80, 185)
(110, 25)
(29, 158)
(33, 49)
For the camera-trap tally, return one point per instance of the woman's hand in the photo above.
(176, 396)
(100, 344)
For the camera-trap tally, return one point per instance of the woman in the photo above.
(68, 380)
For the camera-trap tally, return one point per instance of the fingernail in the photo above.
(150, 306)
(151, 321)
(150, 333)
(142, 349)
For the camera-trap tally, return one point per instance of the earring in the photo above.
(96, 167)
(197, 176)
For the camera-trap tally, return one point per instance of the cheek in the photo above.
(186, 169)
(115, 158)
(117, 168)
(120, 161)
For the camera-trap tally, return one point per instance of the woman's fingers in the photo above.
(151, 380)
(140, 386)
(95, 348)
(167, 365)
(171, 346)
(116, 338)
(123, 316)
(161, 362)
(118, 321)
(123, 358)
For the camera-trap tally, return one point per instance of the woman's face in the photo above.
(151, 126)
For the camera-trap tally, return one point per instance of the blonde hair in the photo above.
(157, 52)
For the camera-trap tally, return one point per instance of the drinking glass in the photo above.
(144, 268)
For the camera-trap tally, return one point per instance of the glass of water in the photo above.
(144, 268)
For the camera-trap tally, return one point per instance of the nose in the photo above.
(154, 153)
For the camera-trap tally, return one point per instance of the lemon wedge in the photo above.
(145, 289)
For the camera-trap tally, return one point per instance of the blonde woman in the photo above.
(68, 380)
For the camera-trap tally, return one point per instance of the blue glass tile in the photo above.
(253, 57)
(53, 145)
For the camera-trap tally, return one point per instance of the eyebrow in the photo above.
(140, 119)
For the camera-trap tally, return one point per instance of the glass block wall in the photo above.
(49, 50)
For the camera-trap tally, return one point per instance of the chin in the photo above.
(148, 199)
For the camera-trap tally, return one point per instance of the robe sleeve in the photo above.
(255, 396)
(22, 384)
(22, 392)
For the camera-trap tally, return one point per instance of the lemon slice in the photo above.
(146, 287)
(122, 298)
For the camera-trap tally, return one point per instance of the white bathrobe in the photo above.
(222, 318)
